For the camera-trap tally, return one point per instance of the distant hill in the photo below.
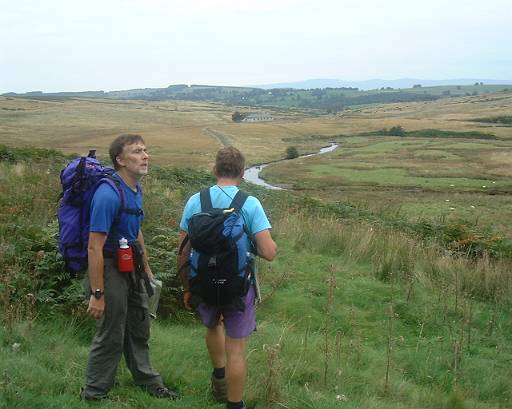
(76, 94)
(379, 83)
(324, 95)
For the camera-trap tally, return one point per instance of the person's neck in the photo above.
(228, 182)
(128, 178)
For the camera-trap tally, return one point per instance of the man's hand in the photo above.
(96, 307)
(186, 299)
(145, 259)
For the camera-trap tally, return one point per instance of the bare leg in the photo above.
(235, 368)
(215, 342)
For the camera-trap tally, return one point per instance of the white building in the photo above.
(258, 117)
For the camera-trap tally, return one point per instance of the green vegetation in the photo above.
(14, 155)
(437, 133)
(396, 131)
(389, 176)
(414, 182)
(29, 262)
(331, 99)
(501, 119)
(237, 116)
(461, 90)
(359, 310)
(292, 152)
(325, 99)
(430, 133)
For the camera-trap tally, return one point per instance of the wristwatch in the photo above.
(98, 293)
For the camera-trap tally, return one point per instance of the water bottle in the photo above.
(124, 257)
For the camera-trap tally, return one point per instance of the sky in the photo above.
(67, 45)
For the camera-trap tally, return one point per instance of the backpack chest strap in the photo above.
(131, 211)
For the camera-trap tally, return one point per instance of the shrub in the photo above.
(292, 152)
(13, 155)
(238, 116)
(396, 131)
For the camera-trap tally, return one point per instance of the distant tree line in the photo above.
(398, 130)
(502, 119)
(338, 102)
(327, 99)
(330, 99)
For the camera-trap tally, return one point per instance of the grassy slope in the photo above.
(323, 326)
(289, 348)
(287, 356)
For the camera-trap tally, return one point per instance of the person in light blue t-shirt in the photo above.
(228, 326)
(252, 212)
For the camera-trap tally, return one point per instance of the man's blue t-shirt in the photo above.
(105, 207)
(253, 214)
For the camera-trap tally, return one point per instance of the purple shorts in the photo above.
(238, 324)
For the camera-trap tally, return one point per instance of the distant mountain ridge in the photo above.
(377, 83)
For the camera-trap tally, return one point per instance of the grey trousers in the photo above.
(124, 328)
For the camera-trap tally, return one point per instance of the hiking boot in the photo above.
(160, 391)
(92, 398)
(243, 407)
(219, 389)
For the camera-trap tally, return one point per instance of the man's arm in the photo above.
(181, 262)
(265, 245)
(96, 272)
(145, 259)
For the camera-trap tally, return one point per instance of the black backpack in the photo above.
(222, 258)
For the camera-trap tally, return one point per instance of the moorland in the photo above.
(392, 285)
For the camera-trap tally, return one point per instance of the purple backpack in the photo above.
(79, 180)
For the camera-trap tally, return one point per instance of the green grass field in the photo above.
(418, 177)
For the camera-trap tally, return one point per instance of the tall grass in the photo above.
(32, 275)
(444, 327)
(395, 251)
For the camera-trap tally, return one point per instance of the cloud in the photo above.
(169, 41)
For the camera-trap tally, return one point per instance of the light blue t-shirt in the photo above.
(104, 209)
(252, 211)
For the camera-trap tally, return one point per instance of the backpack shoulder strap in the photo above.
(237, 203)
(116, 185)
(239, 200)
(206, 200)
(122, 195)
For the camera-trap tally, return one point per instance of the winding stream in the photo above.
(252, 174)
